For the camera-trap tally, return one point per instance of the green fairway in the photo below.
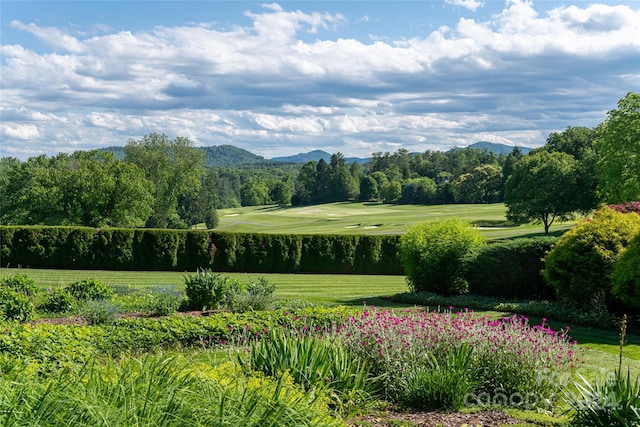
(369, 218)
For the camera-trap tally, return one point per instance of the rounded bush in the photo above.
(580, 265)
(59, 301)
(89, 289)
(432, 253)
(626, 275)
(21, 284)
(15, 306)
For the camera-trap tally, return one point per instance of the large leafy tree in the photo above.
(618, 149)
(544, 187)
(482, 185)
(175, 167)
(85, 188)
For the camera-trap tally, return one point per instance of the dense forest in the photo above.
(169, 183)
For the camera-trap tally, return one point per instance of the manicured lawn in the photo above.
(317, 288)
(369, 218)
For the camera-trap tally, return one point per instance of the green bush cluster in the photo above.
(626, 275)
(510, 269)
(16, 294)
(188, 250)
(432, 254)
(581, 264)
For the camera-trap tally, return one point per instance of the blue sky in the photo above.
(277, 79)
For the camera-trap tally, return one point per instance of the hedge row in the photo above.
(188, 250)
(510, 269)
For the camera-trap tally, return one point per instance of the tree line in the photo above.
(164, 183)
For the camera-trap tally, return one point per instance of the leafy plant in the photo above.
(440, 385)
(20, 283)
(626, 275)
(15, 305)
(208, 290)
(164, 301)
(100, 312)
(89, 289)
(581, 263)
(316, 363)
(59, 301)
(432, 253)
(257, 295)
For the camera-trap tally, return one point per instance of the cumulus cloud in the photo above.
(467, 4)
(513, 78)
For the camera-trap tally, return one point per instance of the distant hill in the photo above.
(229, 155)
(497, 148)
(216, 155)
(316, 155)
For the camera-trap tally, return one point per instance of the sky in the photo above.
(283, 78)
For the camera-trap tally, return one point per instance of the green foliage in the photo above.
(174, 166)
(257, 295)
(316, 363)
(432, 253)
(581, 263)
(614, 401)
(482, 185)
(164, 301)
(89, 289)
(100, 312)
(626, 275)
(207, 290)
(545, 187)
(158, 391)
(182, 250)
(15, 305)
(59, 301)
(20, 284)
(618, 152)
(510, 269)
(438, 386)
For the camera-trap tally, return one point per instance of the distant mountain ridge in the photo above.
(230, 155)
(497, 148)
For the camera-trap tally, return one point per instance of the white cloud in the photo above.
(513, 78)
(467, 4)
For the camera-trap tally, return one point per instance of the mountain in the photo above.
(229, 155)
(316, 155)
(497, 148)
(216, 155)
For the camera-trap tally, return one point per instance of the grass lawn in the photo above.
(370, 218)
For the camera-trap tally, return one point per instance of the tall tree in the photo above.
(543, 188)
(85, 188)
(618, 150)
(174, 166)
(482, 185)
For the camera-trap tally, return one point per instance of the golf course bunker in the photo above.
(233, 214)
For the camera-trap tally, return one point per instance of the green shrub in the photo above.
(510, 269)
(257, 295)
(89, 289)
(580, 265)
(164, 301)
(15, 306)
(59, 301)
(440, 386)
(207, 290)
(612, 402)
(100, 312)
(626, 275)
(21, 284)
(432, 253)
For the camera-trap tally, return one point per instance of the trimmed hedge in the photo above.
(187, 250)
(510, 269)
